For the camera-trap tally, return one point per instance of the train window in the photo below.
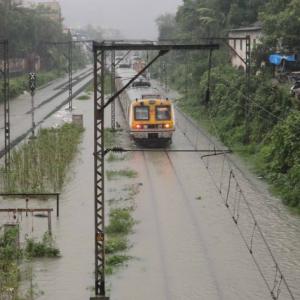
(141, 113)
(163, 113)
(141, 84)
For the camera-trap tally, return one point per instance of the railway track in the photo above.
(21, 111)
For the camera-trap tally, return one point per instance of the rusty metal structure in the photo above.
(100, 50)
(4, 72)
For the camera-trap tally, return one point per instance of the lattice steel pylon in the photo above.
(70, 71)
(99, 50)
(113, 89)
(248, 84)
(99, 73)
(5, 91)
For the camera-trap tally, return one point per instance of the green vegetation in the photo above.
(40, 165)
(120, 225)
(120, 221)
(28, 30)
(12, 256)
(9, 256)
(83, 97)
(45, 248)
(20, 84)
(263, 128)
(114, 174)
(115, 157)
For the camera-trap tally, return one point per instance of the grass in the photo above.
(115, 157)
(115, 174)
(12, 257)
(40, 165)
(116, 244)
(120, 221)
(44, 248)
(120, 225)
(83, 97)
(19, 84)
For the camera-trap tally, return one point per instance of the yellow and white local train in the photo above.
(150, 116)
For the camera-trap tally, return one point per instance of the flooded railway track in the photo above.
(20, 114)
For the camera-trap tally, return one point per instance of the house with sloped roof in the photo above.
(238, 47)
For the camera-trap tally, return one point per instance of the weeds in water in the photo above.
(83, 97)
(120, 221)
(116, 244)
(120, 224)
(114, 261)
(45, 248)
(40, 165)
(113, 174)
(110, 137)
(11, 257)
(115, 157)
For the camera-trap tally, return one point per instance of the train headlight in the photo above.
(167, 125)
(138, 126)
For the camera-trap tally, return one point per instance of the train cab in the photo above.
(152, 118)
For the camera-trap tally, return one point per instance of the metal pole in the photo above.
(32, 115)
(248, 87)
(32, 86)
(113, 89)
(70, 69)
(99, 69)
(5, 90)
(57, 205)
(49, 222)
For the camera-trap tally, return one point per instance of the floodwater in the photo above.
(185, 244)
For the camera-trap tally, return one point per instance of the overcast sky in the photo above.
(134, 18)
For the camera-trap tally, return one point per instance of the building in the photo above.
(254, 32)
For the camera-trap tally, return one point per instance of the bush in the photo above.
(45, 248)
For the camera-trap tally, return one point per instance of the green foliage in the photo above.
(116, 244)
(282, 161)
(83, 97)
(45, 248)
(17, 85)
(281, 23)
(120, 224)
(114, 261)
(120, 221)
(40, 165)
(113, 174)
(30, 29)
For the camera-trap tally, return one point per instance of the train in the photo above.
(150, 116)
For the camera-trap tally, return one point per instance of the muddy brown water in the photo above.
(185, 245)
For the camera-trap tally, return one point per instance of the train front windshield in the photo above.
(163, 113)
(141, 113)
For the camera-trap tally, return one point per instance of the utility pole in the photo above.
(113, 89)
(70, 71)
(5, 92)
(99, 50)
(32, 87)
(69, 57)
(248, 86)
